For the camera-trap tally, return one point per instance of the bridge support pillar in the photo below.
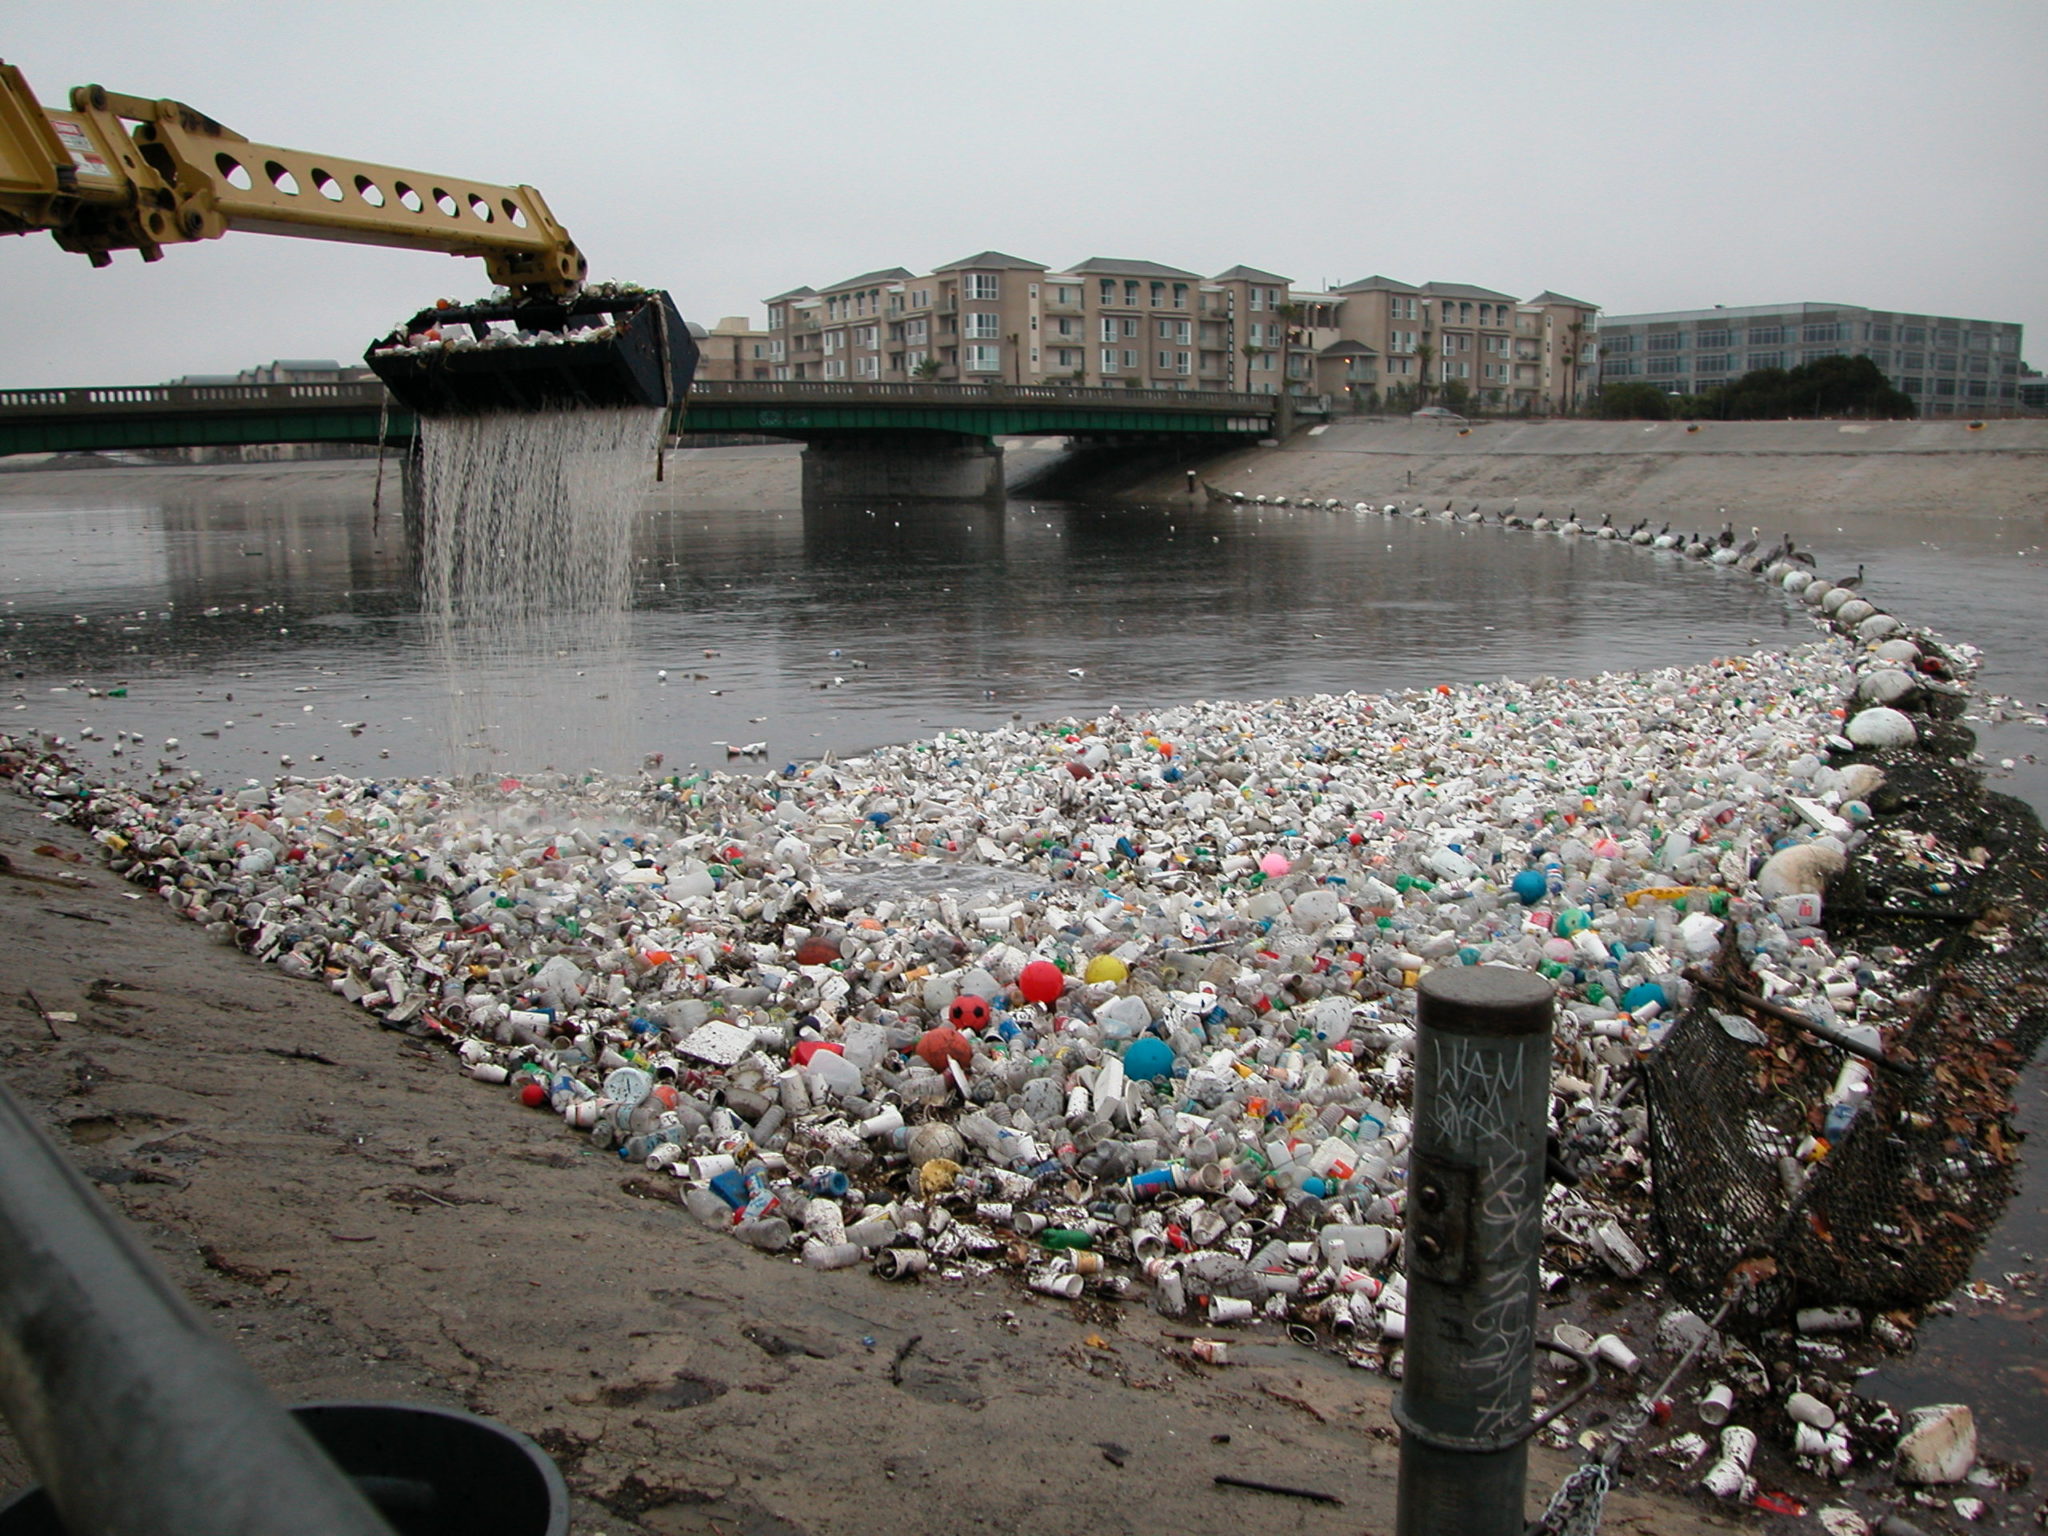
(970, 471)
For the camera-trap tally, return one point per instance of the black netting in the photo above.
(1953, 886)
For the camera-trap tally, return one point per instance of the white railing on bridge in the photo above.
(133, 398)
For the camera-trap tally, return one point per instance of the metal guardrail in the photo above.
(137, 1417)
(178, 398)
(188, 397)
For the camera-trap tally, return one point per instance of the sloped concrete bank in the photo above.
(1663, 469)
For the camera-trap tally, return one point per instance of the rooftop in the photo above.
(1549, 297)
(1123, 268)
(1377, 284)
(1243, 274)
(867, 279)
(1465, 291)
(991, 260)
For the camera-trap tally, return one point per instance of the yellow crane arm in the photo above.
(179, 176)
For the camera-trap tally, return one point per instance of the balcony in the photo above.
(1061, 307)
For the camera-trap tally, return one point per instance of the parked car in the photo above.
(1436, 413)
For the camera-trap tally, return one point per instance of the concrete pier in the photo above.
(903, 471)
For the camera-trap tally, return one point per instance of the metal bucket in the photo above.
(601, 348)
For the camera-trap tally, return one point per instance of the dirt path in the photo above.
(364, 1222)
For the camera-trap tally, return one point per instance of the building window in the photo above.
(1821, 333)
(912, 361)
(1619, 342)
(1880, 333)
(834, 369)
(1766, 359)
(1912, 359)
(981, 285)
(1915, 333)
(1944, 362)
(834, 340)
(867, 367)
(1108, 290)
(1664, 341)
(1714, 338)
(1944, 386)
(1183, 362)
(1130, 327)
(1766, 336)
(1180, 295)
(983, 324)
(984, 360)
(1913, 385)
(1947, 336)
(1165, 364)
(867, 336)
(920, 298)
(1109, 359)
(1130, 358)
(1716, 362)
(777, 350)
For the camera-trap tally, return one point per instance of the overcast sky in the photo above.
(1642, 156)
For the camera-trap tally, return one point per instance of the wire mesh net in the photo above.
(1951, 890)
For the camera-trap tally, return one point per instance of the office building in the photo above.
(1947, 365)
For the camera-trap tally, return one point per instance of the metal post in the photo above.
(137, 1417)
(1475, 1226)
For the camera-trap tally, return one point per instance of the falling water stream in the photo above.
(525, 552)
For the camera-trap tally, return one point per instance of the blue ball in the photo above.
(1644, 992)
(1148, 1057)
(1529, 887)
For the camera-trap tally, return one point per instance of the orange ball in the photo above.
(941, 1045)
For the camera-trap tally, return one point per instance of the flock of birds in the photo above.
(1721, 548)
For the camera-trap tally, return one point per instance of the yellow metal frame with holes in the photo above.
(180, 177)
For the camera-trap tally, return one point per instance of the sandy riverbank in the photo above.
(1746, 471)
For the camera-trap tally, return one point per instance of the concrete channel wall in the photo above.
(1640, 469)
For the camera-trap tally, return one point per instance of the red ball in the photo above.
(533, 1095)
(967, 1012)
(1041, 981)
(939, 1046)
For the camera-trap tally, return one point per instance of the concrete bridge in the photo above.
(880, 441)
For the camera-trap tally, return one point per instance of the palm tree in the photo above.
(1577, 330)
(1424, 354)
(1251, 350)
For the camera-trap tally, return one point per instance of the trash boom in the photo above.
(177, 177)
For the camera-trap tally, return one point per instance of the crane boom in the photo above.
(98, 186)
(179, 176)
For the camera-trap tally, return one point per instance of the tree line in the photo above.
(1830, 386)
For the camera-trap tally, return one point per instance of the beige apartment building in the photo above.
(1126, 323)
(733, 349)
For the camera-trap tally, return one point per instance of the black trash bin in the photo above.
(429, 1471)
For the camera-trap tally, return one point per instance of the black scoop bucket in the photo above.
(539, 354)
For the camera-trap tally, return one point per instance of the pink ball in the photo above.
(1275, 864)
(1041, 981)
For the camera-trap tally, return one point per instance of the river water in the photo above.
(262, 613)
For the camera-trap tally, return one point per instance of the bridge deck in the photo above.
(206, 415)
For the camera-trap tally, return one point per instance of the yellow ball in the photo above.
(1106, 968)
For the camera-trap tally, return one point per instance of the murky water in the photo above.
(263, 614)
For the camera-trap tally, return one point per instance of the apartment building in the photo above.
(1123, 322)
(1946, 364)
(732, 349)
